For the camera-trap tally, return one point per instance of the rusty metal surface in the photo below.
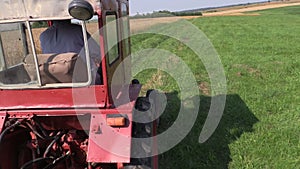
(14, 10)
(31, 9)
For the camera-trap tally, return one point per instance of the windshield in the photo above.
(32, 55)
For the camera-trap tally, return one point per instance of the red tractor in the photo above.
(59, 110)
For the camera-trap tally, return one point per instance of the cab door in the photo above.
(116, 32)
(113, 54)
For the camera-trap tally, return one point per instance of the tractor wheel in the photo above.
(147, 108)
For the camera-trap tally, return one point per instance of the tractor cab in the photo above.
(101, 46)
(86, 58)
(62, 108)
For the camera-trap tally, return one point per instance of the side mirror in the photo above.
(81, 10)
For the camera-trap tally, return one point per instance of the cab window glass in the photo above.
(37, 28)
(112, 37)
(92, 28)
(92, 25)
(2, 59)
(14, 50)
(126, 31)
(12, 42)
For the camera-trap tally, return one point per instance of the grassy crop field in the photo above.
(260, 127)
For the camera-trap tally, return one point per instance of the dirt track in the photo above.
(140, 24)
(230, 11)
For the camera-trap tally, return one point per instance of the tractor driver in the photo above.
(64, 36)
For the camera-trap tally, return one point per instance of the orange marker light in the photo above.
(116, 121)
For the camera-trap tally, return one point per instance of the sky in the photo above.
(147, 6)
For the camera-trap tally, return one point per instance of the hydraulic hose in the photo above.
(40, 126)
(35, 131)
(59, 159)
(42, 136)
(17, 123)
(57, 137)
(28, 164)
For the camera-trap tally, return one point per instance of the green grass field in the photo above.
(260, 127)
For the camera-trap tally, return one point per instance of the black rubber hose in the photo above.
(35, 131)
(17, 123)
(29, 163)
(57, 137)
(40, 126)
(59, 159)
(38, 134)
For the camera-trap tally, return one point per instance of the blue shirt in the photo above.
(62, 37)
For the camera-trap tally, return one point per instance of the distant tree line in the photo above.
(166, 13)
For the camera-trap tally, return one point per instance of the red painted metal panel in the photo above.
(93, 96)
(55, 119)
(125, 94)
(102, 50)
(2, 119)
(107, 144)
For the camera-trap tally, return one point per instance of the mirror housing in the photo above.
(81, 10)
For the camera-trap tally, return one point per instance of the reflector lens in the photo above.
(116, 121)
